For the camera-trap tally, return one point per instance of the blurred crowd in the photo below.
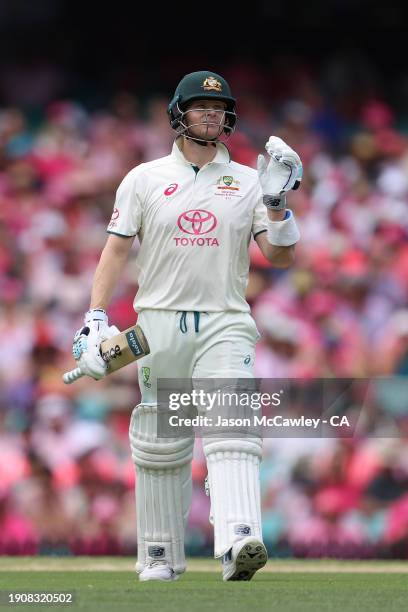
(66, 477)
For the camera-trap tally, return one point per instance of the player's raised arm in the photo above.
(280, 174)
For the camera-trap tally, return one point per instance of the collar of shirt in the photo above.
(222, 155)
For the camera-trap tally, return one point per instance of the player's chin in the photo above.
(212, 133)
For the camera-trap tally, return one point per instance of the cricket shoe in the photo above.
(158, 570)
(244, 558)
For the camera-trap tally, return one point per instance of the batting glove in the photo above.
(87, 343)
(282, 173)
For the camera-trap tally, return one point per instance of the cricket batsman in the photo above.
(194, 212)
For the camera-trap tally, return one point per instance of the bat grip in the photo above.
(72, 376)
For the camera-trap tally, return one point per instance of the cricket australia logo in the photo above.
(228, 187)
(146, 377)
(228, 183)
(212, 84)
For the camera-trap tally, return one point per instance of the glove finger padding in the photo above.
(86, 352)
(290, 157)
(274, 177)
(275, 144)
(80, 342)
(292, 168)
(110, 331)
(284, 170)
(261, 164)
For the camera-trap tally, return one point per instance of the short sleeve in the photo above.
(260, 218)
(127, 211)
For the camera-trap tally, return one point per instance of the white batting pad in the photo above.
(163, 490)
(233, 478)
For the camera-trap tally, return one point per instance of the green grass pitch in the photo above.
(103, 583)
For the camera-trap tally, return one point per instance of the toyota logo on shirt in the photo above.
(196, 222)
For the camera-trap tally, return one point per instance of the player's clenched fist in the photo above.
(279, 174)
(87, 342)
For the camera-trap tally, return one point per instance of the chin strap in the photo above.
(202, 143)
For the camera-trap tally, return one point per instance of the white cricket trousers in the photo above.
(192, 345)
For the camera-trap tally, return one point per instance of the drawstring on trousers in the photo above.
(183, 321)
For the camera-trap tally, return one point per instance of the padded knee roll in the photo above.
(233, 478)
(163, 490)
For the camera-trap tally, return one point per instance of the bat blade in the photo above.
(126, 347)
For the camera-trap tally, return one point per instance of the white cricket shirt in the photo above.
(194, 230)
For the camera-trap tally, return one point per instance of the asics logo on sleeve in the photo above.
(113, 219)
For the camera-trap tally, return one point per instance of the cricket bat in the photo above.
(118, 351)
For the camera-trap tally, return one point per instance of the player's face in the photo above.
(205, 118)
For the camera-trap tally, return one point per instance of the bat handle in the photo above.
(72, 376)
